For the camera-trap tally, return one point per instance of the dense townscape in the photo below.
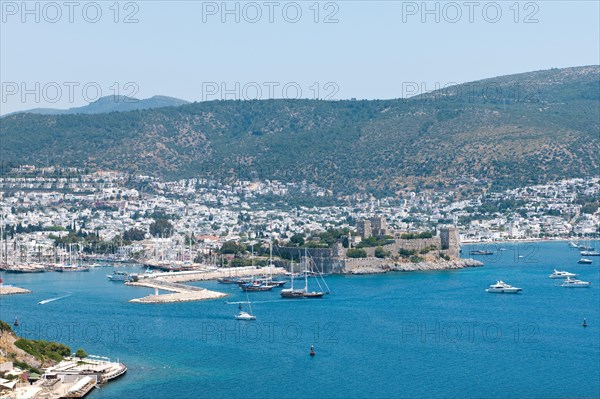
(45, 207)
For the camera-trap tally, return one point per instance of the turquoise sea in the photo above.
(401, 335)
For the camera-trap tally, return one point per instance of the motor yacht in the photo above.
(574, 283)
(559, 274)
(503, 288)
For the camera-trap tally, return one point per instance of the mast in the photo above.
(305, 271)
(292, 270)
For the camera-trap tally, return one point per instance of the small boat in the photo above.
(503, 288)
(585, 261)
(70, 268)
(481, 252)
(590, 253)
(245, 315)
(256, 286)
(270, 281)
(559, 274)
(16, 323)
(574, 283)
(573, 245)
(25, 269)
(118, 276)
(312, 350)
(292, 292)
(228, 280)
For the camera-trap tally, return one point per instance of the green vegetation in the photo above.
(161, 228)
(43, 350)
(81, 353)
(428, 249)
(381, 253)
(232, 247)
(375, 241)
(134, 234)
(405, 253)
(414, 236)
(379, 146)
(297, 240)
(356, 253)
(444, 256)
(416, 259)
(25, 366)
(4, 326)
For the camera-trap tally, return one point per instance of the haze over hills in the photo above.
(507, 131)
(111, 104)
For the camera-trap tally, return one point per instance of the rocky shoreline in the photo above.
(420, 266)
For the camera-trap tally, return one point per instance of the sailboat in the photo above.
(245, 315)
(291, 292)
(304, 292)
(254, 284)
(313, 294)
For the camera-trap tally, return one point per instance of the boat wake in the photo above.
(45, 301)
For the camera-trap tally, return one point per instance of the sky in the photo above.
(64, 54)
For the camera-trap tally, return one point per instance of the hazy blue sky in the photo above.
(185, 49)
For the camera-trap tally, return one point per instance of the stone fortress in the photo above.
(443, 251)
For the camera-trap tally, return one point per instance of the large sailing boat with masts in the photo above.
(304, 292)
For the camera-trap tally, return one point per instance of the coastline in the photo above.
(420, 266)
(526, 240)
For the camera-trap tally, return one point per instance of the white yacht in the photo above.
(245, 316)
(559, 274)
(503, 288)
(574, 283)
(585, 261)
(118, 276)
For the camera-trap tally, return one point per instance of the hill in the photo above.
(111, 104)
(506, 131)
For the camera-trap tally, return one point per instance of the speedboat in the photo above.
(574, 283)
(585, 261)
(245, 316)
(559, 274)
(118, 276)
(503, 288)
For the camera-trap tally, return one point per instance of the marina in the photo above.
(413, 323)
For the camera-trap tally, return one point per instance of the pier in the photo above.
(185, 293)
(10, 290)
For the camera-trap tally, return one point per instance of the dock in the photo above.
(10, 290)
(181, 292)
(171, 282)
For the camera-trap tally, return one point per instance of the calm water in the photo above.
(404, 335)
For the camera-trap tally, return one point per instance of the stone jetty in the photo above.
(171, 282)
(10, 290)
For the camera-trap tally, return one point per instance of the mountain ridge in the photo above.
(374, 146)
(107, 104)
